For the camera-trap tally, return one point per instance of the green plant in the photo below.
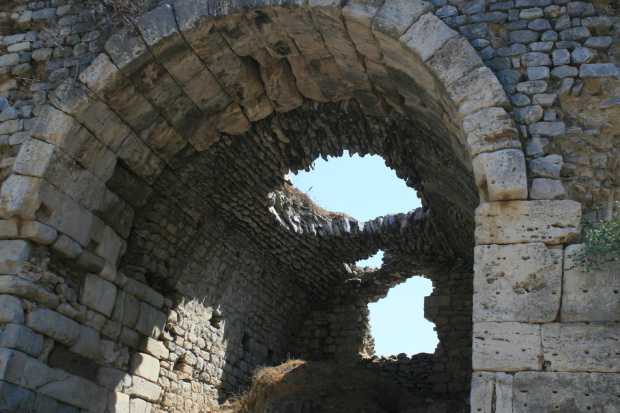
(601, 244)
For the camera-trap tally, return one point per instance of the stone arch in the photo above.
(196, 78)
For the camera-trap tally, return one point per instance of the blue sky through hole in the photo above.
(365, 188)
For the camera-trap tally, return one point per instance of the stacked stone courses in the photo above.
(153, 252)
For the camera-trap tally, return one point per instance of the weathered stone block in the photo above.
(521, 282)
(396, 16)
(144, 366)
(506, 347)
(151, 321)
(75, 391)
(501, 175)
(53, 325)
(490, 130)
(66, 247)
(15, 399)
(37, 232)
(491, 392)
(589, 296)
(477, 90)
(118, 402)
(551, 222)
(11, 309)
(543, 188)
(427, 35)
(21, 338)
(113, 379)
(144, 293)
(455, 59)
(12, 255)
(581, 347)
(154, 348)
(144, 389)
(565, 392)
(127, 309)
(88, 344)
(20, 287)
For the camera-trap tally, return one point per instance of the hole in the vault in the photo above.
(362, 187)
(374, 261)
(397, 321)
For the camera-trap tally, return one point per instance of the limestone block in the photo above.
(154, 348)
(266, 23)
(144, 292)
(280, 86)
(66, 247)
(88, 344)
(489, 130)
(15, 399)
(590, 296)
(396, 16)
(44, 404)
(141, 159)
(13, 254)
(20, 197)
(427, 35)
(110, 273)
(113, 379)
(144, 366)
(506, 347)
(358, 15)
(581, 347)
(298, 24)
(20, 287)
(53, 325)
(501, 176)
(127, 309)
(58, 128)
(551, 222)
(139, 406)
(150, 321)
(565, 392)
(482, 392)
(37, 232)
(8, 229)
(11, 309)
(21, 338)
(478, 90)
(18, 368)
(144, 389)
(258, 109)
(112, 246)
(118, 402)
(543, 188)
(454, 60)
(76, 391)
(521, 282)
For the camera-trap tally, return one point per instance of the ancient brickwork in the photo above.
(152, 252)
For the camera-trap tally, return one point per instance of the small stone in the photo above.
(519, 100)
(535, 59)
(531, 14)
(549, 129)
(544, 188)
(578, 34)
(562, 23)
(539, 25)
(546, 167)
(560, 57)
(583, 55)
(549, 36)
(514, 50)
(537, 73)
(528, 114)
(598, 43)
(561, 72)
(545, 99)
(523, 36)
(532, 87)
(541, 46)
(587, 71)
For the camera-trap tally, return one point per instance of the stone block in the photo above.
(76, 391)
(490, 130)
(13, 254)
(144, 366)
(543, 188)
(53, 325)
(98, 294)
(589, 296)
(21, 338)
(144, 293)
(478, 90)
(501, 175)
(154, 348)
(66, 247)
(44, 404)
(506, 347)
(453, 60)
(150, 321)
(20, 287)
(565, 392)
(144, 389)
(8, 229)
(521, 282)
(427, 35)
(551, 222)
(113, 379)
(11, 309)
(491, 392)
(358, 16)
(127, 309)
(118, 402)
(88, 344)
(19, 369)
(37, 232)
(594, 70)
(589, 347)
(396, 16)
(14, 399)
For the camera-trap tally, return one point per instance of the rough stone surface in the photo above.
(507, 347)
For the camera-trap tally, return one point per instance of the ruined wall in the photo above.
(151, 254)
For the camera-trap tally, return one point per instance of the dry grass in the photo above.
(301, 199)
(325, 388)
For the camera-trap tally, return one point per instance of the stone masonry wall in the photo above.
(152, 255)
